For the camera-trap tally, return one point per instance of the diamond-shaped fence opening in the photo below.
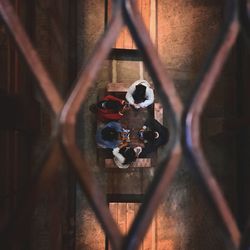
(184, 126)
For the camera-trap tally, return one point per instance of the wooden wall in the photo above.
(25, 125)
(19, 112)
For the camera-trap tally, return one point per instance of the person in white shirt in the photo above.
(140, 94)
(124, 156)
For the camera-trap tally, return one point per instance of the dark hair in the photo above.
(110, 104)
(114, 105)
(109, 134)
(128, 153)
(139, 93)
(149, 135)
(93, 108)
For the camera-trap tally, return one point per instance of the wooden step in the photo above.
(139, 163)
(120, 87)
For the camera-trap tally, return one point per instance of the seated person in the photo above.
(107, 135)
(154, 135)
(110, 108)
(125, 155)
(140, 94)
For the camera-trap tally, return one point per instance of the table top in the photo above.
(134, 120)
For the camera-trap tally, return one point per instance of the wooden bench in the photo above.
(139, 163)
(120, 87)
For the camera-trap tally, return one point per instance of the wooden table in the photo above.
(136, 178)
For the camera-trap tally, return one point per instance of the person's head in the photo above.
(113, 105)
(109, 134)
(150, 135)
(110, 104)
(93, 108)
(139, 93)
(129, 154)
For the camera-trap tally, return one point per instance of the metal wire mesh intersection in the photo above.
(186, 136)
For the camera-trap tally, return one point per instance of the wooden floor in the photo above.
(124, 214)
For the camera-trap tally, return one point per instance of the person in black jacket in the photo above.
(154, 135)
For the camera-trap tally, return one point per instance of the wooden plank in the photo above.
(120, 87)
(128, 44)
(152, 26)
(154, 232)
(130, 214)
(109, 9)
(139, 163)
(158, 112)
(125, 40)
(139, 2)
(139, 5)
(120, 40)
(113, 207)
(124, 198)
(137, 206)
(113, 210)
(166, 244)
(148, 241)
(110, 183)
(122, 217)
(145, 12)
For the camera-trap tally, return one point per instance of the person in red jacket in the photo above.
(110, 108)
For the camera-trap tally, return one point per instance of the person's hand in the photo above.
(124, 103)
(136, 106)
(123, 144)
(125, 107)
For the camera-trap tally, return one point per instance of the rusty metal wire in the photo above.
(226, 40)
(45, 83)
(185, 124)
(166, 172)
(68, 121)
